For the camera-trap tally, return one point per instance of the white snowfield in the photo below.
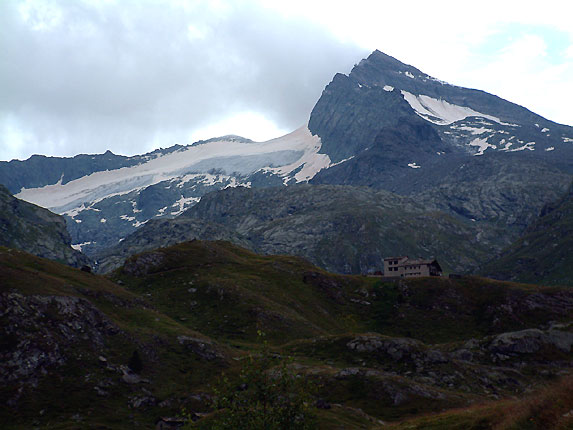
(441, 112)
(295, 151)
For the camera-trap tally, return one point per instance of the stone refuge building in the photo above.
(403, 267)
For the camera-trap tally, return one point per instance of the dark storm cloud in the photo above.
(90, 76)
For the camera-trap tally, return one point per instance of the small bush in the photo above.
(269, 395)
(135, 363)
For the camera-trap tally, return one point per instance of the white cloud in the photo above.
(523, 73)
(130, 75)
(86, 76)
(253, 125)
(446, 39)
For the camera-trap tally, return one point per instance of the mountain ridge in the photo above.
(385, 125)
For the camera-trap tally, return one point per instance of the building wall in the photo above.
(393, 268)
(417, 270)
(399, 267)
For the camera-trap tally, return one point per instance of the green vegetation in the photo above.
(268, 395)
(375, 351)
(548, 408)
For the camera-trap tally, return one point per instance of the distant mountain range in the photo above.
(468, 157)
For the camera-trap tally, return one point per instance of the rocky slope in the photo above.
(462, 151)
(102, 205)
(36, 230)
(381, 91)
(377, 351)
(386, 125)
(160, 233)
(342, 229)
(544, 253)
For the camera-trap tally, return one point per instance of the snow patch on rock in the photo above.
(441, 112)
(529, 146)
(481, 144)
(79, 246)
(295, 151)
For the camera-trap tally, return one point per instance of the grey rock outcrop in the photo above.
(530, 341)
(40, 333)
(36, 230)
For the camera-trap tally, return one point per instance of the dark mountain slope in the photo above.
(36, 230)
(348, 117)
(160, 233)
(502, 189)
(544, 254)
(390, 162)
(342, 229)
(381, 69)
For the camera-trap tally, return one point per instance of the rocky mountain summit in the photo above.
(457, 149)
(380, 91)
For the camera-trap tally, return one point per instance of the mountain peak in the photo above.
(380, 69)
(379, 57)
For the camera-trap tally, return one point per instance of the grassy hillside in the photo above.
(547, 408)
(374, 351)
(67, 339)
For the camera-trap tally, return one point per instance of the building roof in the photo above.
(418, 262)
(414, 261)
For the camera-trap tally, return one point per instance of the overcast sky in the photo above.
(84, 76)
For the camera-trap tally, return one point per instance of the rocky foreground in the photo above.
(154, 337)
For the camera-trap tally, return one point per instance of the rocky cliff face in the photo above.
(343, 229)
(349, 116)
(36, 230)
(543, 253)
(465, 152)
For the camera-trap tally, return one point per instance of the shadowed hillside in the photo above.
(376, 351)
